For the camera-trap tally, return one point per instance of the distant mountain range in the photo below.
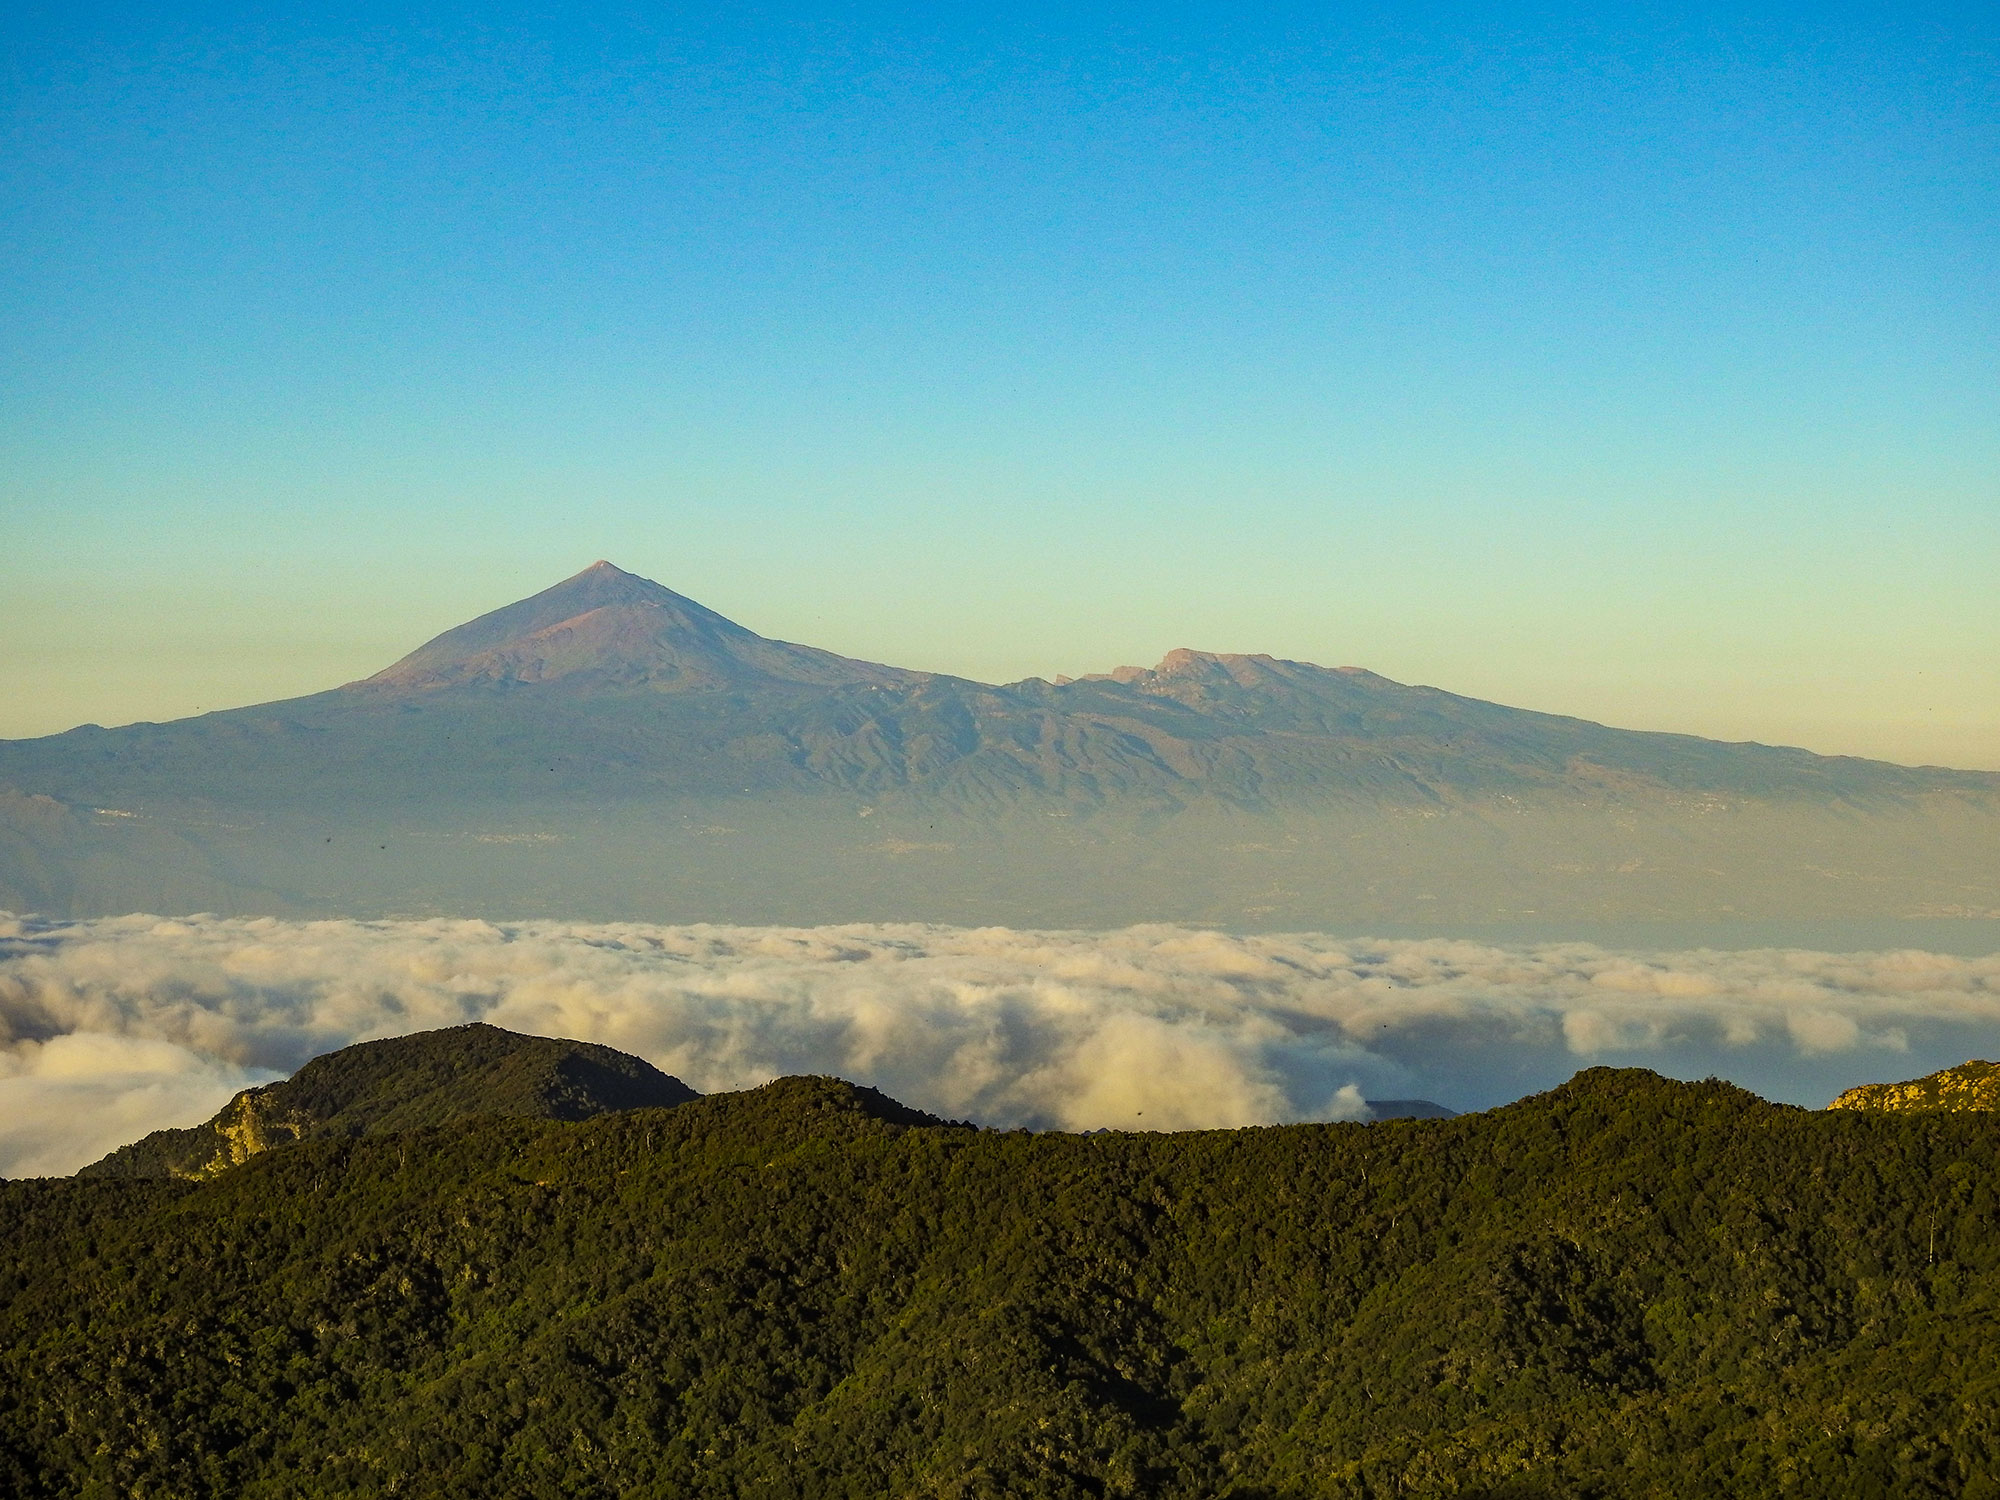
(609, 748)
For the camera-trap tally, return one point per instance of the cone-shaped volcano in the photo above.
(607, 627)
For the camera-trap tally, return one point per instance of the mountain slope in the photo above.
(1623, 1287)
(405, 1083)
(611, 714)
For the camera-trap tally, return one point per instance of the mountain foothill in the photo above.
(611, 749)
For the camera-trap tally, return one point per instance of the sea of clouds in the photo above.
(113, 1027)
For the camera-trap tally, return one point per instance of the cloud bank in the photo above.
(112, 1027)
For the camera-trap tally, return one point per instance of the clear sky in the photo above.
(1641, 366)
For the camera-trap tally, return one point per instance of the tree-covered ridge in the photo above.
(1624, 1287)
(403, 1083)
(1970, 1085)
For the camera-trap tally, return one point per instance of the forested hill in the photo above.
(1624, 1287)
(400, 1083)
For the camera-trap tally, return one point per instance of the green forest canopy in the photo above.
(1627, 1286)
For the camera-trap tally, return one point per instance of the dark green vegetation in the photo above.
(1624, 1287)
(611, 749)
(404, 1083)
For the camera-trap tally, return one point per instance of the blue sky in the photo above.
(1643, 367)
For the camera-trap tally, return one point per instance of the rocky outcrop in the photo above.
(1970, 1085)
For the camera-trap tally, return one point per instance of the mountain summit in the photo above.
(609, 628)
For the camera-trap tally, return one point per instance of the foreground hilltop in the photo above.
(610, 748)
(1624, 1287)
(403, 1083)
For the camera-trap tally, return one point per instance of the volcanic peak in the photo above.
(607, 627)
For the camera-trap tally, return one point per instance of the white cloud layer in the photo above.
(112, 1027)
